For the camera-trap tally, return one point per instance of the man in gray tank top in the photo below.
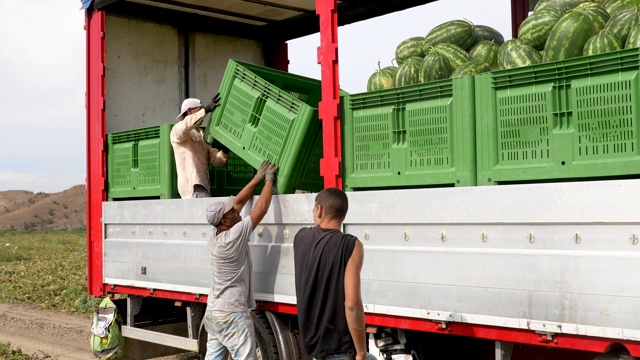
(227, 319)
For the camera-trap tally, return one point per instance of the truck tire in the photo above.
(266, 346)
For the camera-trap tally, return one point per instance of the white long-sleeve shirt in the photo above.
(193, 155)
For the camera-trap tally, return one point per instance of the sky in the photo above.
(42, 77)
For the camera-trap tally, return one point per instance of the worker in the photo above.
(227, 318)
(327, 278)
(192, 153)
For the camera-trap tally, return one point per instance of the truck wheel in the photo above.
(266, 346)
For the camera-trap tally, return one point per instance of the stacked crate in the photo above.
(413, 136)
(571, 119)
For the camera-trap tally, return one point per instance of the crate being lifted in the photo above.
(266, 114)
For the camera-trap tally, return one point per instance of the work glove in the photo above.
(218, 145)
(270, 174)
(262, 171)
(215, 102)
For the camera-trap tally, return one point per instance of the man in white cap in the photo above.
(192, 153)
(227, 319)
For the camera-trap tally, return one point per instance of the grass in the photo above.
(7, 352)
(45, 268)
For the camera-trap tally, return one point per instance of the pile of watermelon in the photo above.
(452, 49)
(556, 30)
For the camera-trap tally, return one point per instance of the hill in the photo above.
(25, 210)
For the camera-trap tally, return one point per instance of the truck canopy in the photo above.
(275, 21)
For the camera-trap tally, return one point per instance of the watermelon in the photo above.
(504, 48)
(535, 29)
(633, 40)
(601, 43)
(598, 15)
(621, 23)
(408, 73)
(540, 5)
(483, 32)
(456, 55)
(390, 69)
(470, 68)
(614, 6)
(435, 67)
(568, 37)
(561, 5)
(408, 48)
(381, 79)
(486, 51)
(518, 55)
(457, 32)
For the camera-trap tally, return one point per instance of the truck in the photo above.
(503, 270)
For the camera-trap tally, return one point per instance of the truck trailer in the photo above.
(515, 263)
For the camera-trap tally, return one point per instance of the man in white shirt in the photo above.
(192, 153)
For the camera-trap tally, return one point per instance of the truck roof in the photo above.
(273, 20)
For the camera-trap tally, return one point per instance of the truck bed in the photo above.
(555, 258)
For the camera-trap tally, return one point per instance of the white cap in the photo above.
(187, 104)
(216, 210)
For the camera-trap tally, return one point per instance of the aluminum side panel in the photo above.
(516, 255)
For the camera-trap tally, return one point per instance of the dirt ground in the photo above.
(48, 334)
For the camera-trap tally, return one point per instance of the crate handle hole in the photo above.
(562, 163)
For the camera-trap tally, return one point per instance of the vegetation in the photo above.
(46, 269)
(7, 352)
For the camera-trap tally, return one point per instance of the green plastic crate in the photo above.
(267, 114)
(577, 118)
(230, 179)
(413, 136)
(140, 164)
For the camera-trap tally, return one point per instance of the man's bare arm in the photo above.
(353, 307)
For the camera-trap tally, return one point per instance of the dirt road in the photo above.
(42, 333)
(47, 334)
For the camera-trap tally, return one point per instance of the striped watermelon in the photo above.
(622, 22)
(486, 51)
(540, 5)
(601, 43)
(435, 67)
(504, 48)
(390, 69)
(518, 55)
(613, 6)
(408, 48)
(562, 5)
(456, 55)
(535, 29)
(457, 32)
(568, 37)
(633, 40)
(483, 32)
(598, 15)
(381, 79)
(408, 72)
(470, 68)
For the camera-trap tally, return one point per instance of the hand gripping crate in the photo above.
(571, 119)
(414, 136)
(231, 178)
(140, 164)
(267, 114)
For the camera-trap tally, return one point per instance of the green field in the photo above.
(45, 268)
